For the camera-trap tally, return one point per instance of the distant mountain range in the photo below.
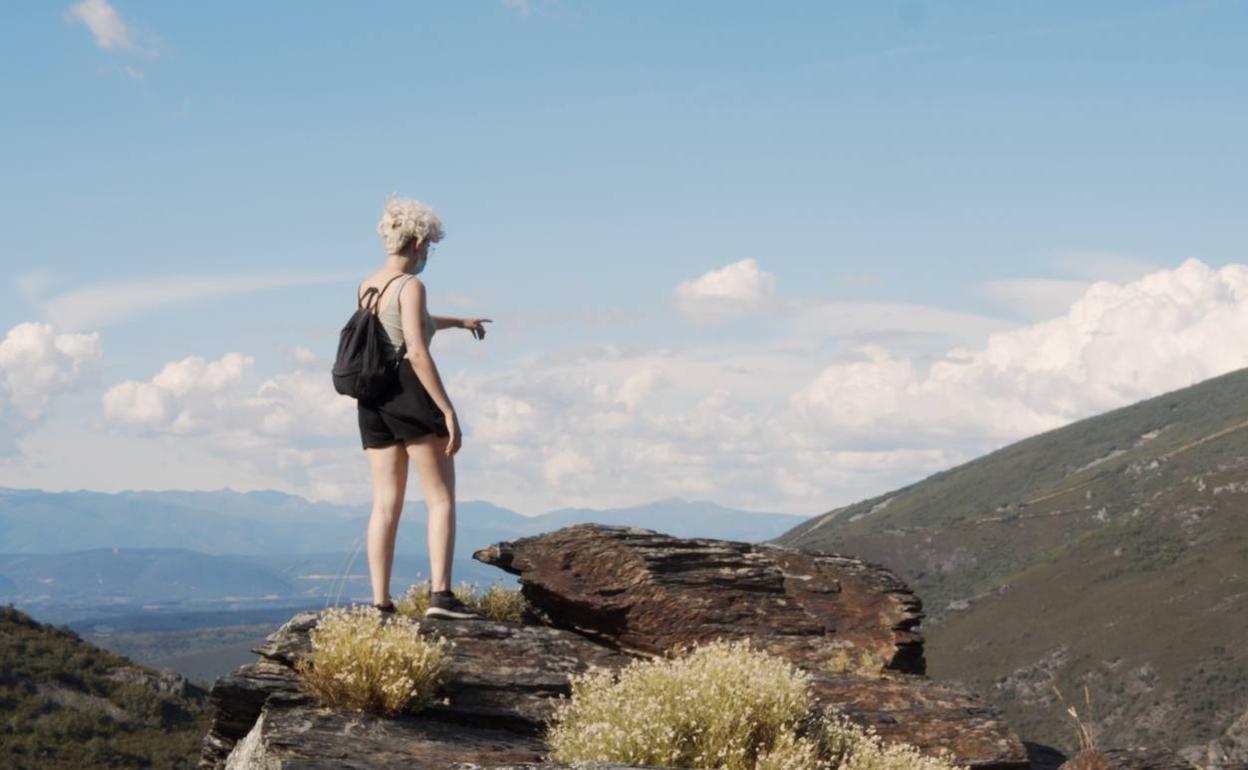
(1111, 553)
(68, 555)
(239, 523)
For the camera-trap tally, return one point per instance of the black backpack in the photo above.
(363, 368)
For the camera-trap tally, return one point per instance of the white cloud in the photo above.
(302, 403)
(522, 7)
(564, 463)
(302, 356)
(37, 365)
(114, 301)
(103, 21)
(187, 396)
(219, 398)
(741, 288)
(197, 374)
(610, 427)
(1117, 344)
(638, 387)
(292, 426)
(502, 419)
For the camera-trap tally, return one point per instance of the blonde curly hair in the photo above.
(404, 220)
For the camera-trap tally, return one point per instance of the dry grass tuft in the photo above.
(359, 662)
(721, 704)
(1089, 757)
(495, 602)
(862, 664)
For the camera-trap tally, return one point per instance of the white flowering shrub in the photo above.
(360, 663)
(720, 704)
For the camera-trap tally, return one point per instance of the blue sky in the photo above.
(724, 244)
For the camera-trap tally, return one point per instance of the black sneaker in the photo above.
(445, 604)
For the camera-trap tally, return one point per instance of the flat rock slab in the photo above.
(499, 673)
(644, 591)
(300, 734)
(928, 714)
(502, 677)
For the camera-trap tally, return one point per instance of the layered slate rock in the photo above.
(501, 686)
(237, 701)
(603, 597)
(644, 591)
(936, 716)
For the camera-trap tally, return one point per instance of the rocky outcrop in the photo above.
(603, 596)
(501, 685)
(644, 591)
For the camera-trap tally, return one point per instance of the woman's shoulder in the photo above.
(412, 283)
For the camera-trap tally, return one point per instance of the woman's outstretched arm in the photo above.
(474, 325)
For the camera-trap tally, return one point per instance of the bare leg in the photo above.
(437, 480)
(389, 469)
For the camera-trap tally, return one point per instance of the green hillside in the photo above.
(69, 704)
(1112, 552)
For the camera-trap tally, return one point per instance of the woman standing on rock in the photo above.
(417, 421)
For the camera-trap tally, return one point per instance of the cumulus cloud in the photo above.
(36, 365)
(301, 403)
(292, 425)
(105, 23)
(616, 427)
(185, 396)
(1117, 344)
(741, 288)
(221, 398)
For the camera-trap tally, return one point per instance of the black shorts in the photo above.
(407, 412)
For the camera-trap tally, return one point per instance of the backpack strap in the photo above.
(371, 302)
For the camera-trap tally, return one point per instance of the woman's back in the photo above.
(389, 314)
